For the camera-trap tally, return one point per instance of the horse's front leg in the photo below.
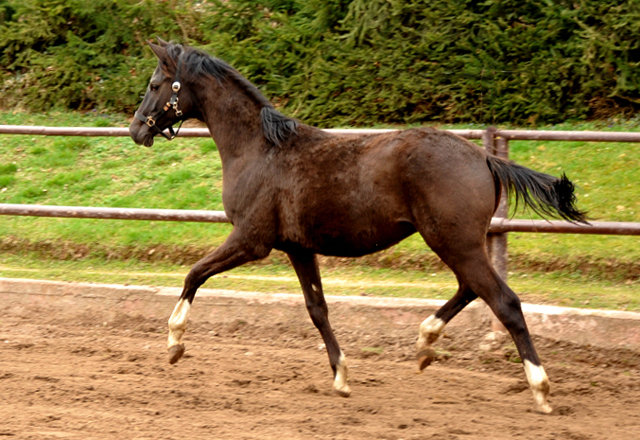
(235, 251)
(306, 267)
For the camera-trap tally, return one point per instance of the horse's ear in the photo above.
(165, 61)
(162, 42)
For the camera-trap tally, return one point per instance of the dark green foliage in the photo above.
(76, 54)
(337, 62)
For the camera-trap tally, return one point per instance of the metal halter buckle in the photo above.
(175, 86)
(175, 108)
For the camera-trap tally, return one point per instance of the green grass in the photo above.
(558, 288)
(111, 172)
(576, 270)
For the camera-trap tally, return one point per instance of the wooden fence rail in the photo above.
(498, 225)
(538, 135)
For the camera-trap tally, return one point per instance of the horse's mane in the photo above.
(276, 127)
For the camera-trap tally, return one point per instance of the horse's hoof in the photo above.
(543, 409)
(343, 391)
(425, 357)
(175, 353)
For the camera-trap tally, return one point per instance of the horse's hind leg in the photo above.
(306, 267)
(431, 327)
(505, 304)
(467, 257)
(232, 253)
(473, 267)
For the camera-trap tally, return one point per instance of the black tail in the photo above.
(547, 195)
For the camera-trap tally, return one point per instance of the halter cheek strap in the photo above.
(171, 104)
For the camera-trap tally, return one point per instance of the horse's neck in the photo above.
(233, 119)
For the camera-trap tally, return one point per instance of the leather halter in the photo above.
(172, 103)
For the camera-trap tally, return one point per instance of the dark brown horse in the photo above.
(296, 188)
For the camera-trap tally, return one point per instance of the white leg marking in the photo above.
(429, 331)
(178, 322)
(539, 384)
(340, 385)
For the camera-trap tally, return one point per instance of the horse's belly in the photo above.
(350, 239)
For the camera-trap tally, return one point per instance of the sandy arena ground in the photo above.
(84, 378)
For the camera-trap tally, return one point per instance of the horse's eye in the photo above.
(154, 87)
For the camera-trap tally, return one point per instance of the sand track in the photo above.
(86, 379)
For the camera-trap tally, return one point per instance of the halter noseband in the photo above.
(172, 103)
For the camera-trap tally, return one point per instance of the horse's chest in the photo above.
(244, 195)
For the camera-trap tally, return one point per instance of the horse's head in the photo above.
(166, 101)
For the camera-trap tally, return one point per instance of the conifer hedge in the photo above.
(336, 62)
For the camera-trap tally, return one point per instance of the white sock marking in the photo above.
(340, 382)
(429, 331)
(178, 322)
(539, 384)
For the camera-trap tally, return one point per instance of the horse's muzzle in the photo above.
(140, 133)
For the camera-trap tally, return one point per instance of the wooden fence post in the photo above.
(497, 243)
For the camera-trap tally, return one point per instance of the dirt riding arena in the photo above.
(81, 367)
